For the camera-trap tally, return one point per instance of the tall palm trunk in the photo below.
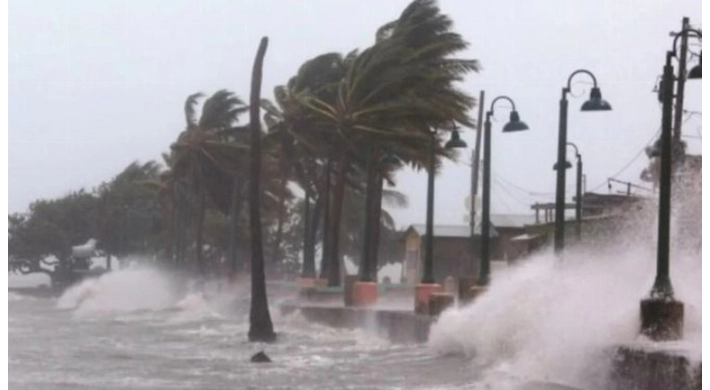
(366, 256)
(309, 240)
(260, 326)
(337, 212)
(199, 233)
(275, 250)
(182, 227)
(305, 270)
(325, 252)
(376, 224)
(235, 210)
(167, 209)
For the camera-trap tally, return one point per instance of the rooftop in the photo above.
(500, 221)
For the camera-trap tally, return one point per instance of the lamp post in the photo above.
(578, 200)
(515, 124)
(595, 103)
(428, 283)
(661, 314)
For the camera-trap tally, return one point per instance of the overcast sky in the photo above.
(95, 85)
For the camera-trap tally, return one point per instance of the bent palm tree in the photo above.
(203, 159)
(394, 92)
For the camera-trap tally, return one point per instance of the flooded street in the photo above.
(195, 345)
(541, 321)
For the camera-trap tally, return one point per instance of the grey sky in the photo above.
(95, 85)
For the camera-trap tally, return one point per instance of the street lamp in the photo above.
(661, 314)
(578, 200)
(515, 124)
(428, 284)
(595, 103)
(454, 142)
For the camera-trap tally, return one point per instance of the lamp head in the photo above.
(697, 71)
(515, 124)
(595, 102)
(455, 141)
(568, 165)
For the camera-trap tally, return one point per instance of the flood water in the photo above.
(541, 320)
(109, 341)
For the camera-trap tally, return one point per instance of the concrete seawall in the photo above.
(632, 369)
(636, 368)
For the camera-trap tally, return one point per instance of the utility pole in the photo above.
(476, 157)
(680, 91)
(467, 282)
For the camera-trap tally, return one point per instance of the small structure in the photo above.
(604, 217)
(77, 267)
(456, 252)
(81, 255)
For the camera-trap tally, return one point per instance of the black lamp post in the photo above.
(578, 200)
(661, 314)
(595, 103)
(454, 142)
(515, 124)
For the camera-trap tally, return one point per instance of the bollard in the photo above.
(364, 294)
(421, 297)
(348, 285)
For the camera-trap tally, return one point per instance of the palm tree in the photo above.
(204, 159)
(260, 325)
(394, 92)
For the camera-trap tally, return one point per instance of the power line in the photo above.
(510, 195)
(620, 171)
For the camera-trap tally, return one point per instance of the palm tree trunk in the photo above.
(198, 238)
(168, 214)
(182, 228)
(275, 250)
(376, 224)
(237, 200)
(309, 240)
(337, 212)
(325, 252)
(260, 326)
(366, 256)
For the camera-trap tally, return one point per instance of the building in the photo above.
(605, 218)
(456, 253)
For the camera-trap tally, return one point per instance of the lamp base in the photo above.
(364, 294)
(422, 292)
(662, 319)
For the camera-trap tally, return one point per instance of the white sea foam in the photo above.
(120, 291)
(560, 320)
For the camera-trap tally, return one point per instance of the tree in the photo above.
(205, 159)
(393, 93)
(260, 325)
(50, 229)
(129, 218)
